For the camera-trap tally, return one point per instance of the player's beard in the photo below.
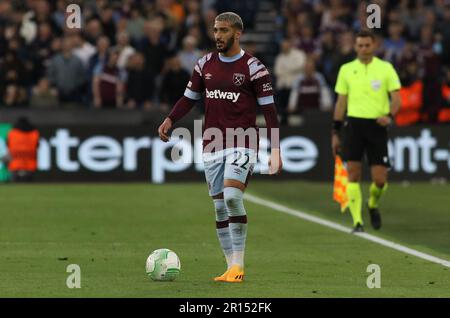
(227, 45)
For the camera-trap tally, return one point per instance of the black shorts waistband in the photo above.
(361, 120)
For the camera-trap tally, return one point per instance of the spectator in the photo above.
(59, 15)
(411, 95)
(93, 31)
(444, 29)
(83, 49)
(125, 49)
(42, 51)
(189, 55)
(174, 82)
(408, 55)
(43, 96)
(153, 49)
(310, 91)
(23, 141)
(193, 14)
(67, 75)
(205, 39)
(326, 51)
(100, 55)
(429, 60)
(306, 41)
(342, 55)
(330, 21)
(288, 65)
(140, 83)
(13, 80)
(394, 44)
(135, 24)
(107, 23)
(99, 58)
(108, 83)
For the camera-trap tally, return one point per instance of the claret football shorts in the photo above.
(364, 137)
(231, 163)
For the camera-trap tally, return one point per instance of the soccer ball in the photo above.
(163, 265)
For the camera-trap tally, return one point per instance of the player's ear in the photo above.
(237, 34)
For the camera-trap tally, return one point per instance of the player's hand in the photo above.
(335, 144)
(164, 129)
(275, 162)
(384, 121)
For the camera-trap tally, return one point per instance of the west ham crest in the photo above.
(238, 79)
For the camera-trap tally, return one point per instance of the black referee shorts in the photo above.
(366, 137)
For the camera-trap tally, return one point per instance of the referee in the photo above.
(363, 87)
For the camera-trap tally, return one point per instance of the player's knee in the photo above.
(221, 210)
(234, 201)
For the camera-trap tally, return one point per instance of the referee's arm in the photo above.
(394, 107)
(338, 118)
(395, 102)
(341, 107)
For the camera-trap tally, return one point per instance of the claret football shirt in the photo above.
(233, 88)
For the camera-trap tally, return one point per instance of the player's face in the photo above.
(225, 36)
(364, 47)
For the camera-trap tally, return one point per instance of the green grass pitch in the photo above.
(110, 229)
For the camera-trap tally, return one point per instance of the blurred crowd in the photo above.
(127, 54)
(317, 37)
(140, 53)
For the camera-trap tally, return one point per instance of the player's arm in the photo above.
(395, 102)
(262, 86)
(338, 120)
(394, 107)
(340, 110)
(184, 105)
(181, 108)
(273, 128)
(393, 87)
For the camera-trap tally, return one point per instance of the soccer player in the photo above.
(363, 87)
(235, 84)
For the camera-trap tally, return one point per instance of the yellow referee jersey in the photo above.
(367, 87)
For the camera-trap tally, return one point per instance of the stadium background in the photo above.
(152, 46)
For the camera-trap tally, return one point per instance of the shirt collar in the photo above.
(233, 58)
(371, 62)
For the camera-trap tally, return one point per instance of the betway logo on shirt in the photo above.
(218, 94)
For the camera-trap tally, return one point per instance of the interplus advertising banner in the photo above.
(135, 153)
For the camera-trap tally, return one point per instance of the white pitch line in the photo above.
(338, 227)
